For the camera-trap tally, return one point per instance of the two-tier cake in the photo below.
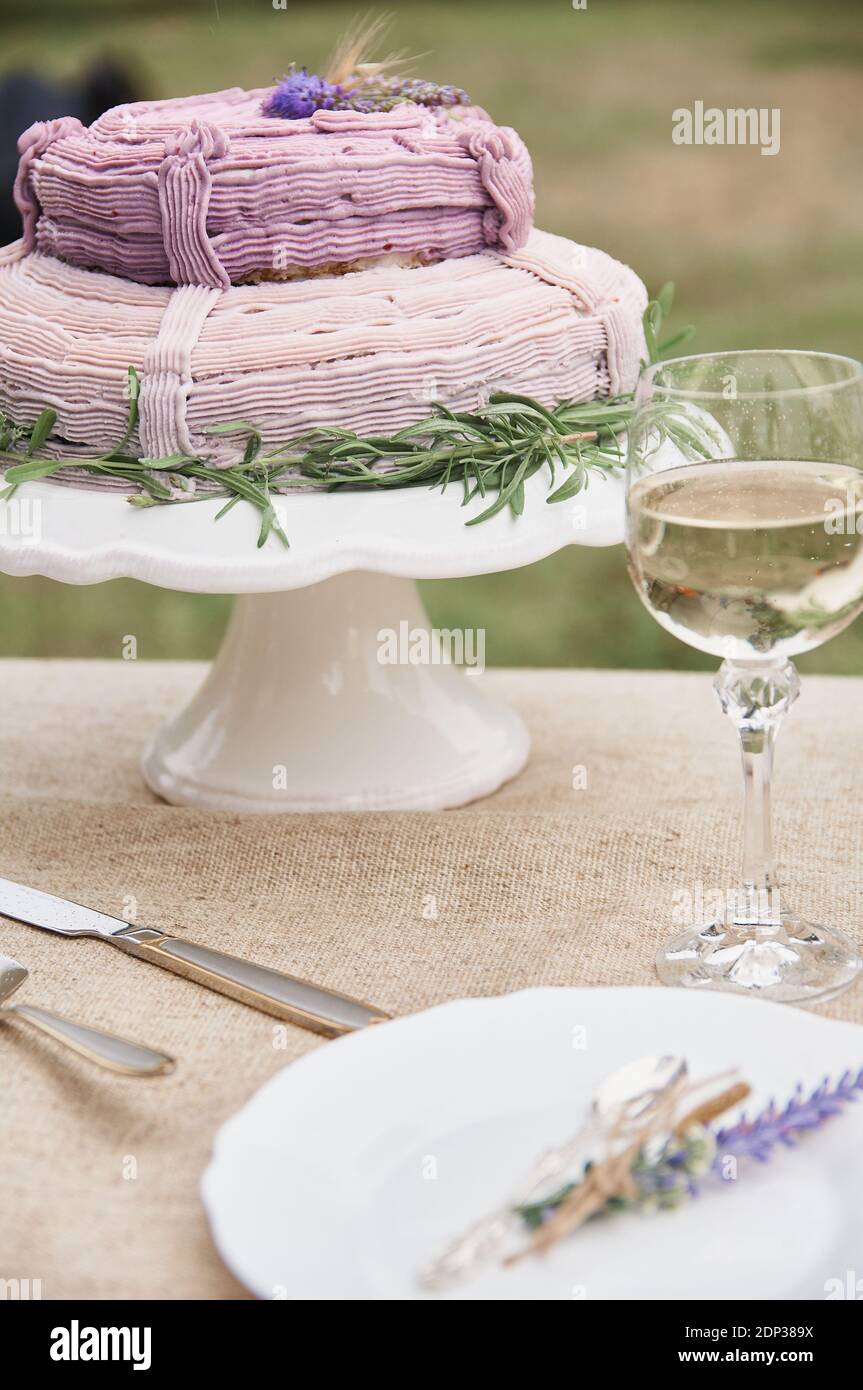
(294, 264)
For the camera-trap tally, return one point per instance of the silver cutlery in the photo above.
(108, 1050)
(284, 996)
(623, 1101)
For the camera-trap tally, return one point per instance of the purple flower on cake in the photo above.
(396, 89)
(300, 93)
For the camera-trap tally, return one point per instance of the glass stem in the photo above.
(754, 900)
(755, 696)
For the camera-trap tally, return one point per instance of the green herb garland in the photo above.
(491, 451)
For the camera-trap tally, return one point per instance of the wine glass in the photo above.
(745, 539)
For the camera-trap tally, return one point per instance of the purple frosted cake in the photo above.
(300, 257)
(209, 190)
(372, 351)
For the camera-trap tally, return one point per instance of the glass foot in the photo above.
(798, 963)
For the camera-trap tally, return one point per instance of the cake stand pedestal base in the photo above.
(305, 709)
(302, 710)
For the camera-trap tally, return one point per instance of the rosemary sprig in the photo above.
(491, 451)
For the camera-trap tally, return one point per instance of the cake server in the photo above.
(284, 996)
(109, 1050)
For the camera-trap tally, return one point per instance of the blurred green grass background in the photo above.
(765, 251)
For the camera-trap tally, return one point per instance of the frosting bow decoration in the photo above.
(185, 183)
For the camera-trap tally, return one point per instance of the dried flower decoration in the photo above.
(665, 1179)
(353, 83)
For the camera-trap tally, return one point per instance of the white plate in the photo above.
(351, 1167)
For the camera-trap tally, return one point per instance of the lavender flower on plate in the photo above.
(668, 1177)
(757, 1138)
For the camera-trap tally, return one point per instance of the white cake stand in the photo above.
(301, 711)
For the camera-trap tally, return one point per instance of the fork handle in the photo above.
(108, 1050)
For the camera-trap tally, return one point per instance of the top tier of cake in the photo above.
(208, 190)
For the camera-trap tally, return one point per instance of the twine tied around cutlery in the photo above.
(613, 1175)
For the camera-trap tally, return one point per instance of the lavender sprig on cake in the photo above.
(300, 93)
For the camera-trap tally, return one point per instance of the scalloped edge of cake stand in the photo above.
(87, 536)
(301, 711)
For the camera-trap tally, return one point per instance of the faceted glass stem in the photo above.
(755, 696)
(754, 946)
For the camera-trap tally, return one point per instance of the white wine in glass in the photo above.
(739, 561)
(745, 540)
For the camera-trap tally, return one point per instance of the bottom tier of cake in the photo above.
(371, 351)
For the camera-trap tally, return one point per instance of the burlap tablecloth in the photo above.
(546, 882)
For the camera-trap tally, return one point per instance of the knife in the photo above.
(284, 996)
